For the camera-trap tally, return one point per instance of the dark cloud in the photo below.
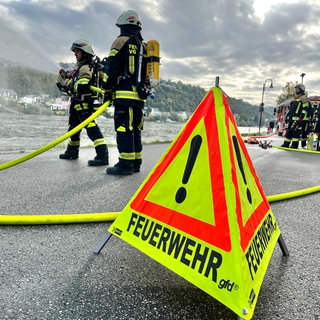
(199, 39)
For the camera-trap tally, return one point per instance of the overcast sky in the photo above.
(244, 42)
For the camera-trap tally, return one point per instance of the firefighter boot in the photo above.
(136, 165)
(102, 157)
(71, 153)
(285, 144)
(294, 145)
(122, 168)
(304, 144)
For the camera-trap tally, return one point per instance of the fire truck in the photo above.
(282, 109)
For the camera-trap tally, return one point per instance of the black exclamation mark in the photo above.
(237, 149)
(193, 153)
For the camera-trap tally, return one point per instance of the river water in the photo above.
(25, 133)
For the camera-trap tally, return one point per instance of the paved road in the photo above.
(50, 271)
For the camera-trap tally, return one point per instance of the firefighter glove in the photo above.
(63, 73)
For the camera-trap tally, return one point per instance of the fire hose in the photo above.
(60, 139)
(111, 216)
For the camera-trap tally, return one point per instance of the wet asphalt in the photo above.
(50, 271)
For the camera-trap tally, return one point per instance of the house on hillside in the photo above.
(28, 99)
(60, 104)
(154, 113)
(182, 115)
(8, 94)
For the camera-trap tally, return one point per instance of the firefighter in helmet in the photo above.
(82, 105)
(297, 118)
(120, 85)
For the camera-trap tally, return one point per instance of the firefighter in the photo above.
(306, 123)
(297, 118)
(315, 125)
(313, 139)
(120, 84)
(82, 105)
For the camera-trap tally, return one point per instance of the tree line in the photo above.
(169, 96)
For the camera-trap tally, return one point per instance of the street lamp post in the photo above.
(262, 103)
(302, 76)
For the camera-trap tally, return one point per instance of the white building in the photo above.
(61, 104)
(8, 94)
(154, 112)
(30, 99)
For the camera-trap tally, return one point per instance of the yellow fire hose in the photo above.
(293, 194)
(59, 218)
(60, 139)
(297, 150)
(111, 216)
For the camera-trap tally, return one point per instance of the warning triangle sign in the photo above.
(202, 211)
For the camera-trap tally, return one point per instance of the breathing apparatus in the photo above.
(148, 72)
(153, 63)
(99, 69)
(98, 66)
(148, 76)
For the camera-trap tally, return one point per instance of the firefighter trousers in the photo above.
(93, 131)
(292, 136)
(128, 123)
(304, 133)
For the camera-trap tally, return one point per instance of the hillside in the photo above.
(26, 81)
(175, 96)
(169, 96)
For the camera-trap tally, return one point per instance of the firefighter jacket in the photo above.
(122, 68)
(299, 109)
(81, 95)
